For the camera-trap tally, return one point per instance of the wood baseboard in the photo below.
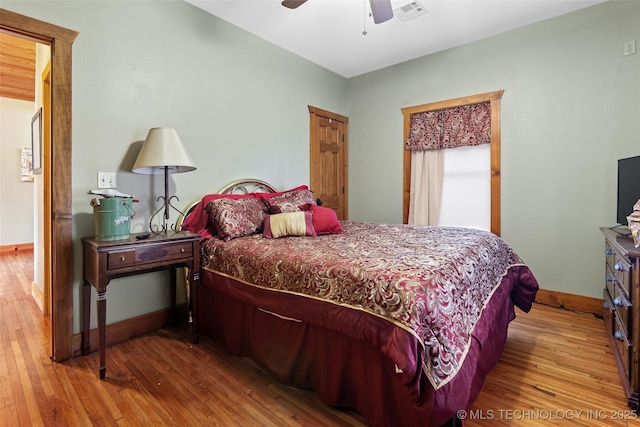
(570, 301)
(37, 295)
(17, 247)
(122, 331)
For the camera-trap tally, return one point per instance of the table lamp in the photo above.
(163, 152)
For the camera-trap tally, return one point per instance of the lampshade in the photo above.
(163, 151)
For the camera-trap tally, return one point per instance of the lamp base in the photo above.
(164, 228)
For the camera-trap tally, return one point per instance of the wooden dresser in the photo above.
(622, 308)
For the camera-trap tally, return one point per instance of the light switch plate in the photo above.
(630, 48)
(106, 180)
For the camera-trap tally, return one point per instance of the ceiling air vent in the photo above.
(410, 11)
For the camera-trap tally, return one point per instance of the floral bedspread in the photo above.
(431, 281)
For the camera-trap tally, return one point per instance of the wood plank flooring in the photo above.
(556, 364)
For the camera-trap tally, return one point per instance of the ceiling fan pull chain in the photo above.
(364, 17)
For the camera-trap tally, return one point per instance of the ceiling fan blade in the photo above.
(381, 10)
(292, 4)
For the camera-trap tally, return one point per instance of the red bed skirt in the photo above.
(347, 371)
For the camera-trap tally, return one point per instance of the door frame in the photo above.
(314, 113)
(46, 187)
(61, 234)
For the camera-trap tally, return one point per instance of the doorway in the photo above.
(328, 159)
(60, 233)
(23, 92)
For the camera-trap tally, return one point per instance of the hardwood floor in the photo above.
(556, 364)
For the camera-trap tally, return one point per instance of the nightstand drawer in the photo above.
(182, 250)
(163, 253)
(117, 260)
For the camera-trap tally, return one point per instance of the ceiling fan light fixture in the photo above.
(381, 10)
(292, 4)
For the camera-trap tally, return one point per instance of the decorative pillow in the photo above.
(289, 224)
(634, 224)
(236, 218)
(198, 220)
(325, 220)
(289, 201)
(280, 193)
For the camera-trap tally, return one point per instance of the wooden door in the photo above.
(328, 159)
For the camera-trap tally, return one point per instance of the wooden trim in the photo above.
(406, 168)
(129, 328)
(328, 114)
(34, 29)
(46, 176)
(494, 99)
(17, 247)
(570, 301)
(495, 166)
(37, 296)
(60, 39)
(457, 102)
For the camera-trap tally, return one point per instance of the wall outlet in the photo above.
(106, 180)
(630, 48)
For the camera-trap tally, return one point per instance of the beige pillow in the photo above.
(289, 224)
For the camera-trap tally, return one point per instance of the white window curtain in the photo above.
(427, 170)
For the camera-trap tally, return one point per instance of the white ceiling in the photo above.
(330, 32)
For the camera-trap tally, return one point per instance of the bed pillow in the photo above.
(325, 220)
(233, 218)
(280, 193)
(288, 224)
(288, 201)
(197, 221)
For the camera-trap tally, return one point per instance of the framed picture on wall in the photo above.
(36, 142)
(26, 171)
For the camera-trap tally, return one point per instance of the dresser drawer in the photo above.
(623, 345)
(623, 307)
(123, 259)
(610, 255)
(621, 270)
(608, 312)
(610, 280)
(615, 329)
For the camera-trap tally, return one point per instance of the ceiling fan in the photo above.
(380, 9)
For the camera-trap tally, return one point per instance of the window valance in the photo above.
(450, 127)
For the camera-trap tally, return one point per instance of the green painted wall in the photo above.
(570, 109)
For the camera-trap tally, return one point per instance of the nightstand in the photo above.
(106, 260)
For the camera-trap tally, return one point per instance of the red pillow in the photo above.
(198, 220)
(325, 220)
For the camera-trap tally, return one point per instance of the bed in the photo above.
(400, 322)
